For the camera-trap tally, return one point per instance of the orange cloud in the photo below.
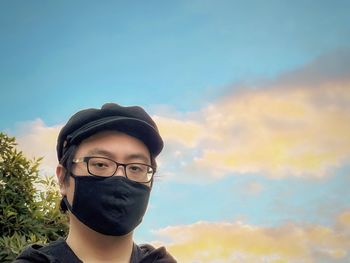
(237, 242)
(185, 132)
(281, 131)
(278, 131)
(297, 125)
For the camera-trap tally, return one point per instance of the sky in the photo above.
(252, 99)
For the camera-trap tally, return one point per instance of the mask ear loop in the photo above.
(66, 161)
(151, 186)
(65, 204)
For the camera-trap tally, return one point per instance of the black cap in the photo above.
(133, 121)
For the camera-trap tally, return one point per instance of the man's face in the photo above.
(117, 146)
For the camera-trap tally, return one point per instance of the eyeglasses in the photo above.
(104, 167)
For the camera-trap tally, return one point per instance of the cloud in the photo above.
(238, 242)
(186, 132)
(36, 139)
(253, 188)
(329, 67)
(277, 132)
(296, 125)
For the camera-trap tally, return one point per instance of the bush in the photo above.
(29, 203)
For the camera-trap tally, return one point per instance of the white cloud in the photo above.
(36, 139)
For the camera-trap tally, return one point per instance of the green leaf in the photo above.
(28, 213)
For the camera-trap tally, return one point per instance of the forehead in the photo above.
(113, 144)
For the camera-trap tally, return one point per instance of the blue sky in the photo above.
(165, 52)
(251, 96)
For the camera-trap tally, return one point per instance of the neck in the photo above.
(91, 246)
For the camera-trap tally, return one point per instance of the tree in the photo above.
(29, 203)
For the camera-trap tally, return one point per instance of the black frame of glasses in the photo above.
(86, 160)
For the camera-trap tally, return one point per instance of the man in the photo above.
(105, 173)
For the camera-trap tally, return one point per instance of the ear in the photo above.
(60, 173)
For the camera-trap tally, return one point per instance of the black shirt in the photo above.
(59, 252)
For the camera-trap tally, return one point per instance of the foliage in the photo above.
(29, 203)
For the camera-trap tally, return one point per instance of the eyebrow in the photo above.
(131, 157)
(100, 151)
(138, 156)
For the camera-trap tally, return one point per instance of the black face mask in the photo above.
(111, 206)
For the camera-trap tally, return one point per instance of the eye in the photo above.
(99, 164)
(136, 168)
